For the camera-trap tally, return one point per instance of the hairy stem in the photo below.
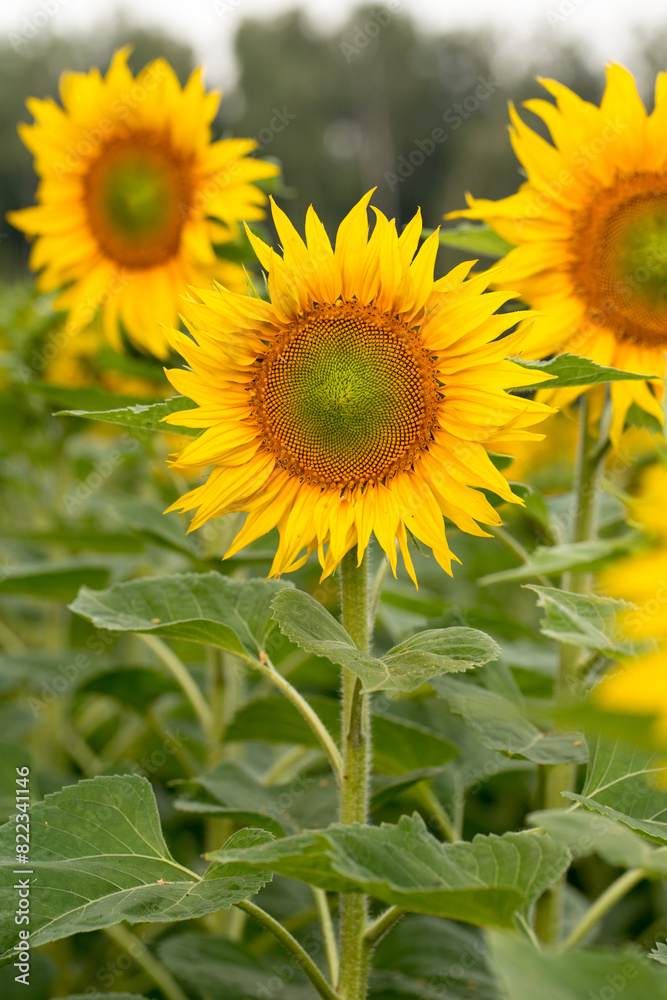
(558, 778)
(291, 945)
(354, 956)
(612, 895)
(183, 677)
(160, 975)
(265, 667)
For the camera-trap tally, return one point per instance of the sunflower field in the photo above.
(333, 560)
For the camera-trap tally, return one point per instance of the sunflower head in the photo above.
(590, 234)
(134, 196)
(360, 399)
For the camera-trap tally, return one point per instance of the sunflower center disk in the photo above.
(346, 397)
(138, 194)
(621, 269)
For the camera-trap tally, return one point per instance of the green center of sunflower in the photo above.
(346, 397)
(620, 251)
(138, 194)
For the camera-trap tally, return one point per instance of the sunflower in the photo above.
(590, 234)
(640, 685)
(360, 399)
(133, 197)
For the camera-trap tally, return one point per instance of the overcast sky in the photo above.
(608, 28)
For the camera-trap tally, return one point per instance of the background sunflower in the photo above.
(134, 196)
(590, 229)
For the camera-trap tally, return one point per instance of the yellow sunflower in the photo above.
(133, 196)
(360, 399)
(640, 685)
(590, 233)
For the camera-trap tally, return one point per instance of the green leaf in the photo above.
(585, 833)
(219, 969)
(475, 239)
(622, 783)
(97, 856)
(659, 953)
(427, 958)
(484, 882)
(135, 687)
(201, 607)
(636, 417)
(527, 972)
(403, 668)
(549, 559)
(140, 416)
(584, 620)
(152, 523)
(89, 397)
(500, 723)
(571, 371)
(60, 580)
(398, 745)
(233, 791)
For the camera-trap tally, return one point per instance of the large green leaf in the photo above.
(591, 974)
(428, 958)
(549, 559)
(571, 371)
(584, 620)
(60, 580)
(398, 745)
(623, 783)
(140, 416)
(404, 668)
(585, 833)
(484, 882)
(216, 968)
(210, 608)
(501, 723)
(475, 239)
(97, 856)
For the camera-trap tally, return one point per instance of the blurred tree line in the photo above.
(380, 102)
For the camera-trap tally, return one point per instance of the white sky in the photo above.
(607, 27)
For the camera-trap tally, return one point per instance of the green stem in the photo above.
(183, 677)
(515, 546)
(612, 895)
(382, 925)
(354, 792)
(326, 923)
(555, 779)
(143, 957)
(265, 667)
(291, 945)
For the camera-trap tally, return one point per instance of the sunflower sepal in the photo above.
(477, 239)
(570, 371)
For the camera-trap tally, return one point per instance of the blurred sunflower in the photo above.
(361, 398)
(590, 229)
(640, 685)
(133, 197)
